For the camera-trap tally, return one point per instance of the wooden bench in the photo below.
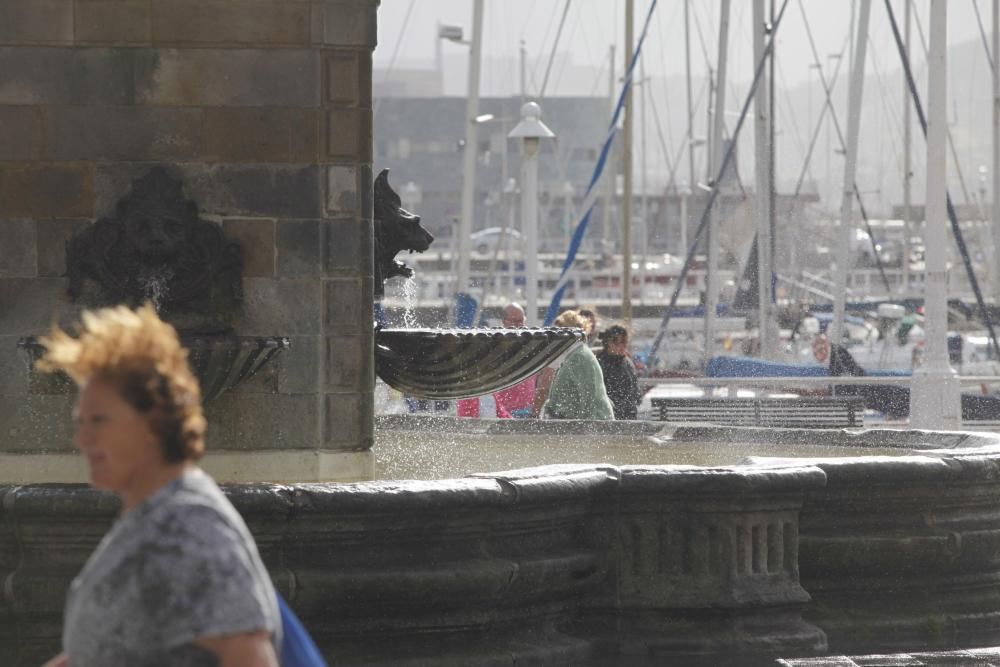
(810, 412)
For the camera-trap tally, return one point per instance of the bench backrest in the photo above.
(824, 412)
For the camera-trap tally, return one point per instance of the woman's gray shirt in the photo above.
(179, 566)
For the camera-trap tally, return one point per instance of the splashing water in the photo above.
(155, 284)
(409, 303)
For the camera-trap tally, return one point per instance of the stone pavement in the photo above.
(979, 657)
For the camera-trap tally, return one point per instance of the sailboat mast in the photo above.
(995, 204)
(469, 151)
(907, 159)
(712, 237)
(627, 173)
(611, 177)
(690, 109)
(643, 185)
(763, 176)
(850, 169)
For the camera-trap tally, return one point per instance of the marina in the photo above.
(478, 333)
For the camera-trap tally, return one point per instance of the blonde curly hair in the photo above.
(573, 319)
(141, 355)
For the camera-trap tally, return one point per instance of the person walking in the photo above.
(577, 388)
(177, 580)
(512, 402)
(516, 401)
(620, 378)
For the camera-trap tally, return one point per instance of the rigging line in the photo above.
(714, 194)
(843, 145)
(599, 79)
(951, 141)
(736, 171)
(590, 53)
(566, 62)
(672, 165)
(827, 105)
(532, 67)
(891, 113)
(395, 52)
(796, 131)
(552, 54)
(701, 36)
(982, 35)
(510, 76)
(735, 51)
(659, 134)
(565, 148)
(661, 42)
(590, 198)
(963, 250)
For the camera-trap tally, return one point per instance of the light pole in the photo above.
(531, 130)
(695, 142)
(685, 192)
(854, 98)
(568, 191)
(995, 145)
(510, 193)
(471, 141)
(829, 194)
(935, 396)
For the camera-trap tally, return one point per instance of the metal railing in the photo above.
(814, 382)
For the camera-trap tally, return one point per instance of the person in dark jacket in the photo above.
(620, 378)
(893, 402)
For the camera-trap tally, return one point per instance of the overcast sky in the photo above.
(407, 31)
(593, 25)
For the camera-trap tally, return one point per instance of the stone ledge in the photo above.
(979, 657)
(227, 467)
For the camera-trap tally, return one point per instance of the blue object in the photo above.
(465, 310)
(297, 647)
(590, 200)
(721, 367)
(728, 367)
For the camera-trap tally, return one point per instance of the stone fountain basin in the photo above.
(219, 361)
(596, 563)
(460, 363)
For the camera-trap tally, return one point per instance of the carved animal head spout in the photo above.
(158, 220)
(396, 229)
(156, 248)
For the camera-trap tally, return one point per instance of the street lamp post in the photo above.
(935, 396)
(531, 130)
(471, 141)
(685, 192)
(510, 193)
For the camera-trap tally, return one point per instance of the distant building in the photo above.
(409, 82)
(962, 212)
(421, 141)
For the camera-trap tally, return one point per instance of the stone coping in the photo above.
(978, 657)
(226, 466)
(929, 441)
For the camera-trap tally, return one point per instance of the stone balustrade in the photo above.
(904, 554)
(562, 564)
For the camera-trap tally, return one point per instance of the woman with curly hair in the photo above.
(177, 580)
(576, 389)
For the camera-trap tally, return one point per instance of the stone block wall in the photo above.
(263, 109)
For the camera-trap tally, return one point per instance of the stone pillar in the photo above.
(263, 110)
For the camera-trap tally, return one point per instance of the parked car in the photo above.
(485, 241)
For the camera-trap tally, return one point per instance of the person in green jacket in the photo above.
(577, 391)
